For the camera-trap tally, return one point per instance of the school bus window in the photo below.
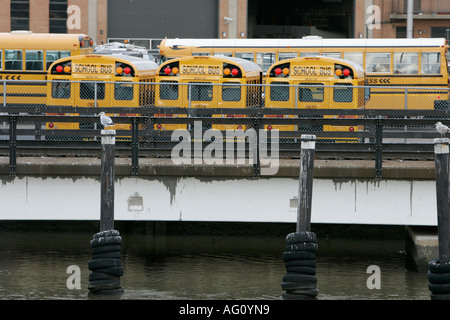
(168, 90)
(231, 92)
(265, 60)
(406, 63)
(123, 91)
(343, 92)
(61, 90)
(310, 94)
(332, 54)
(356, 57)
(245, 55)
(86, 43)
(279, 91)
(223, 54)
(200, 91)
(87, 90)
(34, 60)
(378, 62)
(286, 55)
(53, 55)
(431, 63)
(309, 54)
(13, 59)
(200, 53)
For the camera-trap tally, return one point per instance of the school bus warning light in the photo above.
(169, 70)
(279, 71)
(61, 69)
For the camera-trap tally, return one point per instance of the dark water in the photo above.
(33, 265)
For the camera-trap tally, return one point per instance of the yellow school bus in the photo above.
(26, 56)
(100, 81)
(314, 83)
(208, 82)
(418, 65)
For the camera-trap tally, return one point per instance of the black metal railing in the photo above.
(354, 134)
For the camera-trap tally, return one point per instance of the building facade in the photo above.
(56, 16)
(388, 18)
(105, 19)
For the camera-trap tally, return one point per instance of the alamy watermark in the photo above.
(74, 280)
(241, 147)
(373, 17)
(374, 280)
(73, 17)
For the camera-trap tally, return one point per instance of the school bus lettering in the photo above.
(378, 80)
(325, 71)
(214, 70)
(200, 70)
(312, 71)
(93, 68)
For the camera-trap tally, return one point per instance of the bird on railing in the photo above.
(105, 120)
(442, 128)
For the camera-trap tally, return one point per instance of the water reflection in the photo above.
(33, 266)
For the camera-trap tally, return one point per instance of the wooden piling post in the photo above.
(107, 180)
(106, 245)
(441, 150)
(300, 281)
(439, 268)
(305, 182)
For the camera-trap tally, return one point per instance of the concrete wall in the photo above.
(161, 193)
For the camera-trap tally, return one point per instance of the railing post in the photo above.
(189, 95)
(406, 108)
(4, 93)
(439, 268)
(95, 94)
(406, 98)
(378, 147)
(256, 151)
(12, 144)
(135, 146)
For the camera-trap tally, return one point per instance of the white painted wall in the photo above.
(394, 202)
